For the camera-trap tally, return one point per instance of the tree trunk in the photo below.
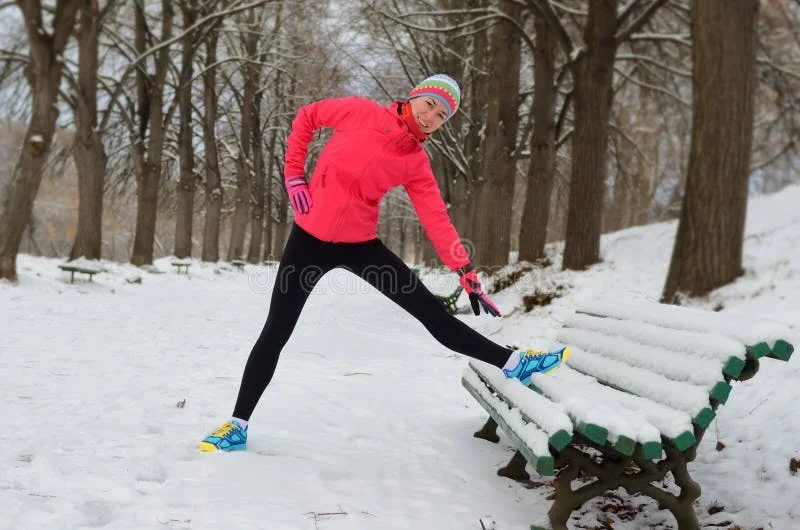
(186, 182)
(244, 182)
(492, 216)
(43, 74)
(148, 180)
(213, 187)
(269, 235)
(88, 151)
(257, 211)
(708, 247)
(541, 170)
(453, 181)
(593, 74)
(475, 136)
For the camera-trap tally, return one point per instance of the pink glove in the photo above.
(299, 195)
(469, 281)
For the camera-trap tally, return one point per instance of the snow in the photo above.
(530, 433)
(707, 345)
(680, 366)
(108, 386)
(87, 264)
(676, 394)
(588, 402)
(748, 330)
(569, 383)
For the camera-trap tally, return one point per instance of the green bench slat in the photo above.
(595, 433)
(782, 350)
(684, 441)
(721, 392)
(652, 450)
(560, 440)
(625, 445)
(759, 350)
(733, 367)
(543, 464)
(704, 418)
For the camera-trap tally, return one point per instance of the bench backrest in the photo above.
(675, 363)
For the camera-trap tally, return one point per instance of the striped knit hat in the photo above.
(442, 87)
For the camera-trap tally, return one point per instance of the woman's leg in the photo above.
(382, 269)
(305, 260)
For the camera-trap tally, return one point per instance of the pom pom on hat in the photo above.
(442, 87)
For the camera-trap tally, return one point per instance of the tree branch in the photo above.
(544, 9)
(623, 35)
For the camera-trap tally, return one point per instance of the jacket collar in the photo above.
(396, 111)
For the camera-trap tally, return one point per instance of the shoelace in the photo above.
(530, 352)
(225, 429)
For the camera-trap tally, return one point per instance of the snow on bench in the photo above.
(640, 389)
(533, 421)
(761, 337)
(689, 345)
(649, 421)
(83, 266)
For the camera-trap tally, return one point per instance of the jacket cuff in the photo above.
(465, 269)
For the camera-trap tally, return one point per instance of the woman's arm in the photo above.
(332, 112)
(426, 197)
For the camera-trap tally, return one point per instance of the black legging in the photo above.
(305, 260)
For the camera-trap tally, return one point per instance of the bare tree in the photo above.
(186, 180)
(148, 148)
(213, 182)
(708, 247)
(88, 150)
(533, 233)
(247, 187)
(592, 73)
(43, 74)
(491, 224)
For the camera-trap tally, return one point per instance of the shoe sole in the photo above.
(206, 447)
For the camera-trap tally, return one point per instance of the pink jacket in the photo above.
(370, 152)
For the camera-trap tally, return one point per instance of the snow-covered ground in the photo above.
(108, 386)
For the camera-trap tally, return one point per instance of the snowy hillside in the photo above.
(108, 386)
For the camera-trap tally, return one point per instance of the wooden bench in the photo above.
(239, 264)
(632, 403)
(182, 264)
(83, 268)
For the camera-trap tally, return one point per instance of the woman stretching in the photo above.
(372, 150)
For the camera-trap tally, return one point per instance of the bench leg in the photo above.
(71, 276)
(612, 474)
(488, 432)
(515, 469)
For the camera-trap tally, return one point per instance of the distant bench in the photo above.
(450, 301)
(83, 268)
(182, 264)
(239, 264)
(642, 386)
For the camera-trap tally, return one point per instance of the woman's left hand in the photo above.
(477, 298)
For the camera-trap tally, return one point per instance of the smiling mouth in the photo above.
(422, 123)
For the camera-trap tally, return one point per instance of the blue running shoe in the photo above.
(536, 362)
(230, 437)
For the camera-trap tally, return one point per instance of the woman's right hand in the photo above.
(299, 195)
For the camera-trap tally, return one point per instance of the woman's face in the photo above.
(429, 112)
